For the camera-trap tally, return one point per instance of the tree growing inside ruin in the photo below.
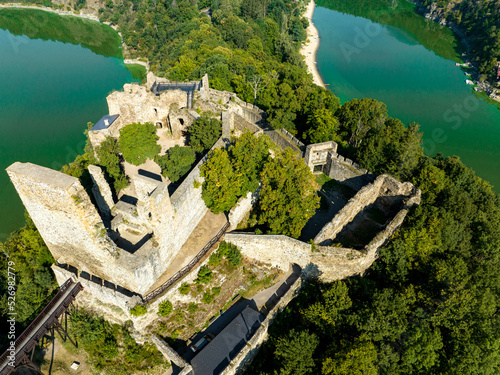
(230, 174)
(204, 132)
(108, 155)
(177, 162)
(222, 185)
(288, 197)
(138, 143)
(249, 154)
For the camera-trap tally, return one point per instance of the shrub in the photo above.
(165, 308)
(138, 143)
(199, 289)
(214, 259)
(204, 275)
(193, 307)
(216, 291)
(231, 252)
(208, 298)
(138, 310)
(184, 289)
(177, 162)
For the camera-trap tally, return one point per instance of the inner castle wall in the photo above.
(323, 261)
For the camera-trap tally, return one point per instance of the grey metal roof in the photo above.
(215, 357)
(100, 125)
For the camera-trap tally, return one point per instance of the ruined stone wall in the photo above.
(327, 263)
(137, 104)
(75, 234)
(240, 125)
(367, 195)
(245, 357)
(65, 217)
(284, 139)
(242, 208)
(110, 301)
(102, 191)
(189, 208)
(346, 171)
(277, 250)
(251, 112)
(331, 263)
(170, 354)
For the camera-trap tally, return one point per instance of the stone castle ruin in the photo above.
(126, 247)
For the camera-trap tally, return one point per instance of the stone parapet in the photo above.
(245, 357)
(170, 354)
(242, 208)
(101, 190)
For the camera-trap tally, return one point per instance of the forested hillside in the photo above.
(428, 305)
(480, 20)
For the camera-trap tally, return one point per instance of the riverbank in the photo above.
(308, 49)
(92, 17)
(432, 13)
(89, 16)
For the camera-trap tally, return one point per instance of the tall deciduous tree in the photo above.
(249, 155)
(288, 197)
(323, 127)
(138, 143)
(204, 132)
(177, 162)
(222, 185)
(358, 116)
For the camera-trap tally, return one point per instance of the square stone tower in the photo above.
(66, 219)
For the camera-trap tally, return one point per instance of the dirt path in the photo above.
(206, 229)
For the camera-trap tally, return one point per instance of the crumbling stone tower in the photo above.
(65, 217)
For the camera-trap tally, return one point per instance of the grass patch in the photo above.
(208, 299)
(321, 179)
(256, 286)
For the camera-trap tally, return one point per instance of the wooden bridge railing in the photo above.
(185, 270)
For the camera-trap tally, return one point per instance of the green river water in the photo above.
(370, 50)
(55, 74)
(57, 71)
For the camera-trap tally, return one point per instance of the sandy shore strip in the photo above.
(51, 10)
(308, 49)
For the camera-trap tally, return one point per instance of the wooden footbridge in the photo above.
(46, 321)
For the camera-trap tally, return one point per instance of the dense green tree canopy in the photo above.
(138, 143)
(249, 154)
(288, 196)
(177, 162)
(34, 282)
(230, 174)
(378, 142)
(428, 305)
(108, 157)
(222, 185)
(204, 132)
